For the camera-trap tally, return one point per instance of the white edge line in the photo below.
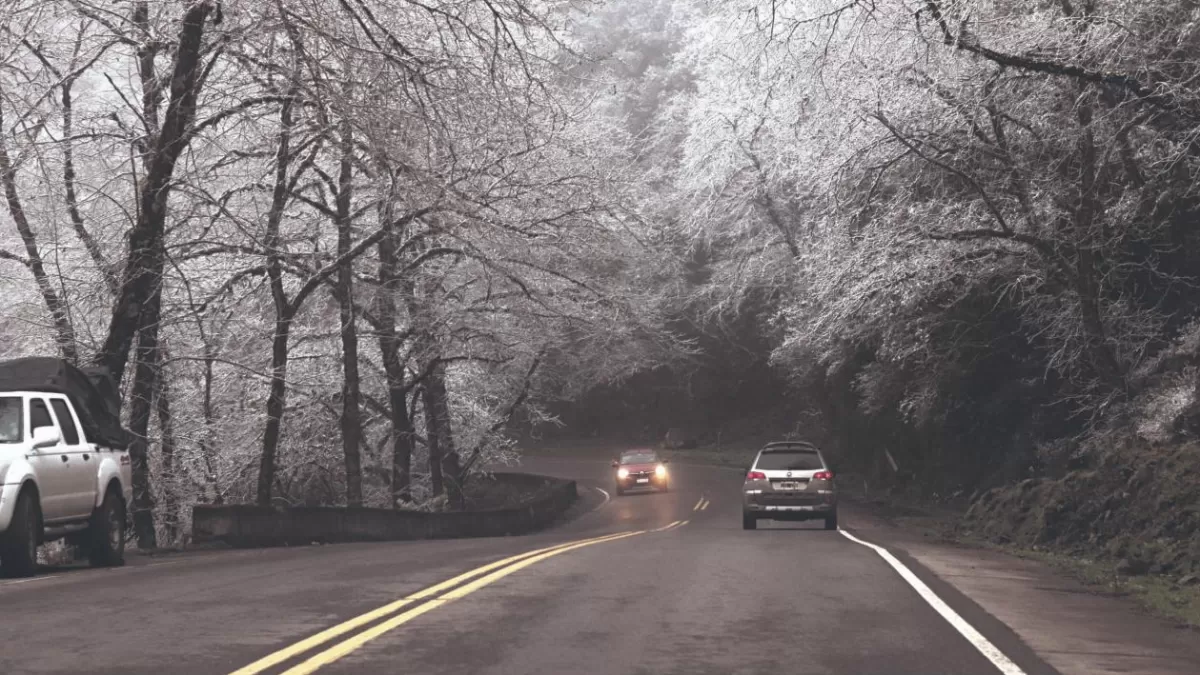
(607, 497)
(977, 640)
(16, 582)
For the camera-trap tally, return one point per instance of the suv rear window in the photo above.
(12, 420)
(789, 460)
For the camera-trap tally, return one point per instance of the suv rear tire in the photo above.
(831, 522)
(106, 535)
(18, 546)
(749, 522)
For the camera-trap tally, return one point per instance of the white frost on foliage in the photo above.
(1159, 409)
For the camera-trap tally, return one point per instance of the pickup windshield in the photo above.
(11, 420)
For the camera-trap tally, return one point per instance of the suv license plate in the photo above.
(789, 485)
(643, 480)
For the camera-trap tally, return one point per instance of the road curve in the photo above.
(684, 590)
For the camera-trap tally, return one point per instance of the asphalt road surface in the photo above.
(658, 583)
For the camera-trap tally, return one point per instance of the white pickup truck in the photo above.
(55, 482)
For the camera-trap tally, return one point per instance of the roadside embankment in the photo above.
(1138, 505)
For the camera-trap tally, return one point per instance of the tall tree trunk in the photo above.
(433, 436)
(166, 432)
(443, 456)
(209, 414)
(144, 264)
(439, 434)
(351, 425)
(1087, 211)
(277, 396)
(276, 400)
(402, 441)
(144, 377)
(64, 333)
(1100, 353)
(389, 349)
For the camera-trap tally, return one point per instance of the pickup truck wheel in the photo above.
(106, 546)
(18, 546)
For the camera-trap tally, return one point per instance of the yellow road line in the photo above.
(705, 505)
(668, 526)
(343, 648)
(343, 628)
(697, 506)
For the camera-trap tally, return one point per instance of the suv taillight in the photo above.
(823, 475)
(756, 475)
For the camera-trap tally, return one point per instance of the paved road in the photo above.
(686, 590)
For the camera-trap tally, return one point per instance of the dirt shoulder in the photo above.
(1078, 624)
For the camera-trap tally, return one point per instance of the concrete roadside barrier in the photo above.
(248, 526)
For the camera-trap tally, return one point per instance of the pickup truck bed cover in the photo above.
(96, 398)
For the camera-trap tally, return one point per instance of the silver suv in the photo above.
(789, 481)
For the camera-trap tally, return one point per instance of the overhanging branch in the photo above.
(964, 41)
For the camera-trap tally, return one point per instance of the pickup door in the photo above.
(81, 462)
(52, 466)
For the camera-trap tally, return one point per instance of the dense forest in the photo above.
(345, 252)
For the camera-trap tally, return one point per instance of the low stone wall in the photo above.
(254, 526)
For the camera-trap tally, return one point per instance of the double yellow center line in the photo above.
(414, 606)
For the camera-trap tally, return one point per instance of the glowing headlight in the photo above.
(660, 471)
(622, 473)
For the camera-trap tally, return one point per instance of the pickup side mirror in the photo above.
(615, 464)
(666, 461)
(44, 437)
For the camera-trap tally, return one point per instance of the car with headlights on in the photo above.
(789, 481)
(638, 470)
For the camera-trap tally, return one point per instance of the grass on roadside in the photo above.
(1160, 594)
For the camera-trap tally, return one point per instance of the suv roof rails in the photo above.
(789, 444)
